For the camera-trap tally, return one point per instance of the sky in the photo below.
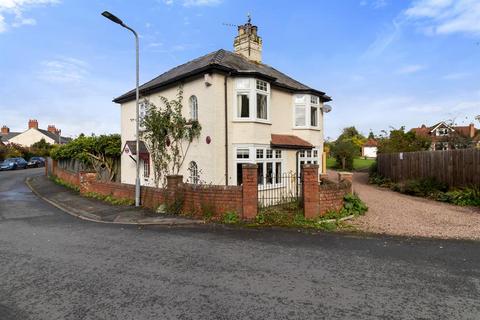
(385, 63)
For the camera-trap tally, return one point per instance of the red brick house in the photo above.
(445, 136)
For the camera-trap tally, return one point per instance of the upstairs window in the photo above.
(193, 108)
(252, 99)
(307, 111)
(243, 154)
(243, 105)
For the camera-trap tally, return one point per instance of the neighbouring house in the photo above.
(369, 148)
(250, 113)
(33, 134)
(446, 137)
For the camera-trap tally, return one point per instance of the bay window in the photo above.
(252, 99)
(307, 111)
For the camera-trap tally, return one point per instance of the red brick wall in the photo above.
(197, 199)
(205, 200)
(331, 195)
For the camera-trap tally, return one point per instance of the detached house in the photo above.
(249, 112)
(33, 134)
(445, 136)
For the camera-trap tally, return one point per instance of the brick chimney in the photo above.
(32, 123)
(5, 130)
(247, 42)
(471, 130)
(51, 128)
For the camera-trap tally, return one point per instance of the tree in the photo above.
(371, 135)
(352, 134)
(168, 135)
(100, 152)
(41, 148)
(400, 141)
(344, 152)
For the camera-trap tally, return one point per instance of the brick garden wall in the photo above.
(331, 195)
(212, 200)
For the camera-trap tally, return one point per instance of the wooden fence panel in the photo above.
(456, 168)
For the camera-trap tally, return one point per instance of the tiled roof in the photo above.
(8, 136)
(461, 130)
(371, 143)
(54, 136)
(225, 61)
(289, 142)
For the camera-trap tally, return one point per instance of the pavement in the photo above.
(96, 210)
(55, 266)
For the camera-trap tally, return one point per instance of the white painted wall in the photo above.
(210, 158)
(369, 152)
(29, 137)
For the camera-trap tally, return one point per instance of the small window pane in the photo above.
(193, 108)
(259, 153)
(300, 99)
(243, 83)
(302, 154)
(309, 153)
(261, 106)
(194, 176)
(313, 100)
(314, 116)
(315, 153)
(262, 85)
(260, 173)
(243, 105)
(278, 172)
(269, 173)
(278, 154)
(269, 154)
(242, 154)
(300, 116)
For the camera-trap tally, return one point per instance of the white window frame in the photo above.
(261, 161)
(193, 102)
(142, 112)
(194, 175)
(306, 102)
(248, 86)
(308, 157)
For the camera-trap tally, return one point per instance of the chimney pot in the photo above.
(5, 130)
(51, 128)
(248, 43)
(32, 123)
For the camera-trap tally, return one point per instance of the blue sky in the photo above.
(386, 63)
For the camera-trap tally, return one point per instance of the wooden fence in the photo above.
(457, 168)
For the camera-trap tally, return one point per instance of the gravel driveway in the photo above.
(394, 213)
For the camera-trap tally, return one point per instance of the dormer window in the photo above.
(252, 100)
(442, 132)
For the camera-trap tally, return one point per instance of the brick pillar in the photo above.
(85, 178)
(174, 182)
(346, 176)
(250, 191)
(311, 201)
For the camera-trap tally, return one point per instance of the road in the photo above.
(54, 266)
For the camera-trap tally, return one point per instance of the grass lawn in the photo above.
(358, 163)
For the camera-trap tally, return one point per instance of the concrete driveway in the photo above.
(54, 266)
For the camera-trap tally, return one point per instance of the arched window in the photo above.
(193, 169)
(193, 108)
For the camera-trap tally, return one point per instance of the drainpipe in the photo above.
(226, 128)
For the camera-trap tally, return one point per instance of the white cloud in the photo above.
(446, 16)
(410, 69)
(14, 10)
(63, 70)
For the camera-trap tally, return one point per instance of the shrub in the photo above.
(231, 217)
(462, 197)
(423, 187)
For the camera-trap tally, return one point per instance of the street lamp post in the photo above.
(115, 19)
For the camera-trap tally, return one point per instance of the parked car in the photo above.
(36, 162)
(13, 164)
